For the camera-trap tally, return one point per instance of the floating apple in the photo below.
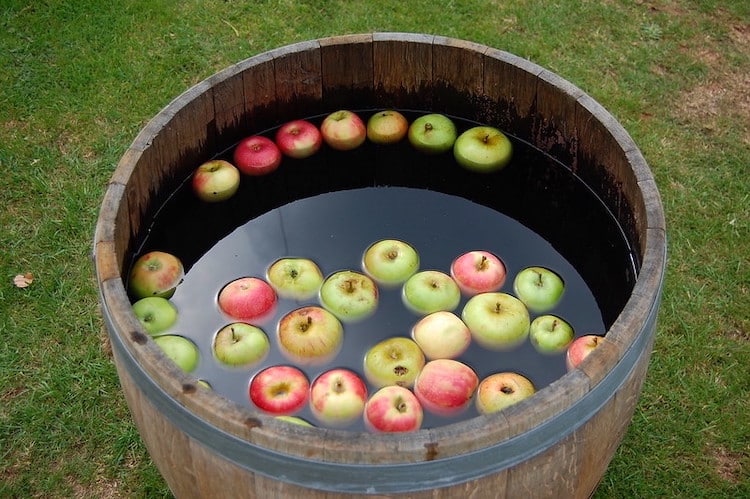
(298, 139)
(432, 133)
(295, 420)
(539, 288)
(155, 273)
(497, 321)
(257, 155)
(445, 386)
(279, 390)
(390, 261)
(295, 278)
(387, 127)
(478, 271)
(310, 335)
(393, 361)
(349, 295)
(338, 396)
(343, 130)
(240, 344)
(550, 334)
(248, 299)
(393, 409)
(441, 335)
(216, 180)
(155, 313)
(580, 348)
(500, 390)
(180, 350)
(430, 291)
(482, 149)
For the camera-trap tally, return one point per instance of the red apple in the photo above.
(279, 390)
(478, 271)
(387, 127)
(257, 155)
(393, 409)
(298, 139)
(248, 299)
(580, 348)
(445, 386)
(155, 273)
(216, 180)
(338, 396)
(343, 130)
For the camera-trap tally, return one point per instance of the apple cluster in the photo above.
(403, 375)
(481, 148)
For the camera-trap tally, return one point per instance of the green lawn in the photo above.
(80, 78)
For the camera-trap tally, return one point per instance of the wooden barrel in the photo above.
(557, 443)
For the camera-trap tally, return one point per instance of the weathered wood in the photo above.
(381, 70)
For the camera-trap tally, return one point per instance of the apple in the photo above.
(155, 273)
(337, 397)
(441, 335)
(393, 409)
(539, 288)
(390, 261)
(298, 139)
(295, 278)
(343, 130)
(550, 334)
(432, 133)
(310, 335)
(248, 299)
(257, 155)
(500, 390)
(240, 344)
(482, 149)
(387, 127)
(295, 420)
(430, 291)
(478, 271)
(393, 361)
(157, 314)
(445, 386)
(180, 350)
(204, 384)
(216, 180)
(279, 390)
(497, 321)
(580, 348)
(349, 295)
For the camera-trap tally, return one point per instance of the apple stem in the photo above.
(306, 325)
(486, 138)
(401, 405)
(482, 263)
(506, 390)
(234, 335)
(539, 279)
(498, 307)
(554, 324)
(338, 386)
(428, 127)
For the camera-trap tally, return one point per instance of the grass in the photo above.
(79, 80)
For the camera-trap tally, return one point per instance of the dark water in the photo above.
(331, 207)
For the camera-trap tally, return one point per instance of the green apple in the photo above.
(295, 278)
(390, 261)
(180, 350)
(157, 314)
(550, 334)
(432, 133)
(482, 149)
(216, 180)
(393, 361)
(539, 288)
(500, 390)
(497, 321)
(240, 344)
(294, 420)
(349, 295)
(430, 291)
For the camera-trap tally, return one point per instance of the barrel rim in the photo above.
(263, 430)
